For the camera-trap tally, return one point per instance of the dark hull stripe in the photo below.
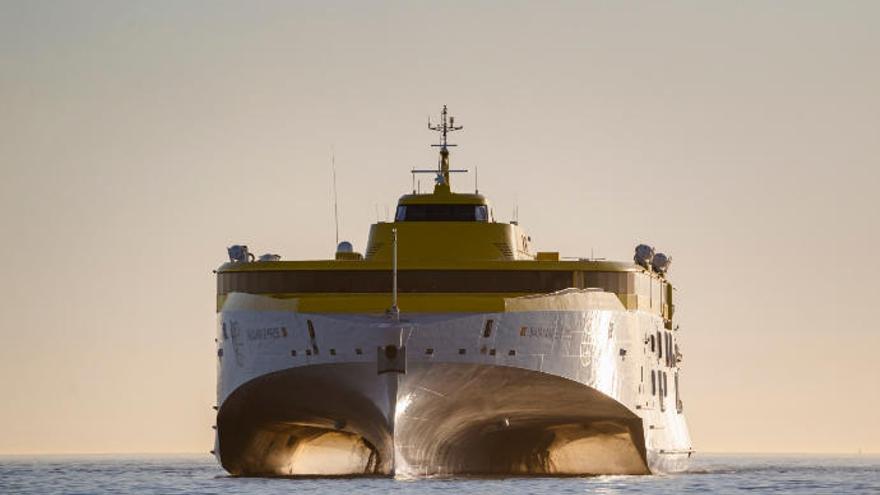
(419, 281)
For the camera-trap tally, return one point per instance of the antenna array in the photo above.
(446, 125)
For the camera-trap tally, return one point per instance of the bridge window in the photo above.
(379, 281)
(442, 213)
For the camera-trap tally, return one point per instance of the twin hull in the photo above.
(556, 384)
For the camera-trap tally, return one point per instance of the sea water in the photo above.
(106, 474)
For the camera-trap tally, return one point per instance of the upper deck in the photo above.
(447, 244)
(365, 285)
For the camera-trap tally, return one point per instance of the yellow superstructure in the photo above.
(452, 255)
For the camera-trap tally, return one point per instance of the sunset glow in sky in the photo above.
(139, 139)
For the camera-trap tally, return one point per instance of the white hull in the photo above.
(564, 389)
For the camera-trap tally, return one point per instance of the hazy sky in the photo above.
(138, 140)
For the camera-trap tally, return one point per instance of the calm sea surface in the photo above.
(201, 475)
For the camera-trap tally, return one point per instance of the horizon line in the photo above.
(207, 453)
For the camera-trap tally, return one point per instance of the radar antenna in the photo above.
(446, 125)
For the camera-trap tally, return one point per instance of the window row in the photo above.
(659, 384)
(663, 344)
(442, 213)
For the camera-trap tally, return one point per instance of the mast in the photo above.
(446, 125)
(335, 198)
(394, 311)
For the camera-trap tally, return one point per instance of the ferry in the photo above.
(447, 347)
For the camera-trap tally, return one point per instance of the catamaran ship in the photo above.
(449, 347)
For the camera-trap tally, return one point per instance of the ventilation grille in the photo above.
(505, 249)
(373, 249)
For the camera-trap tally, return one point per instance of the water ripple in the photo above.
(170, 475)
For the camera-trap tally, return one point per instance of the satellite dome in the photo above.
(344, 247)
(644, 255)
(660, 263)
(239, 254)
